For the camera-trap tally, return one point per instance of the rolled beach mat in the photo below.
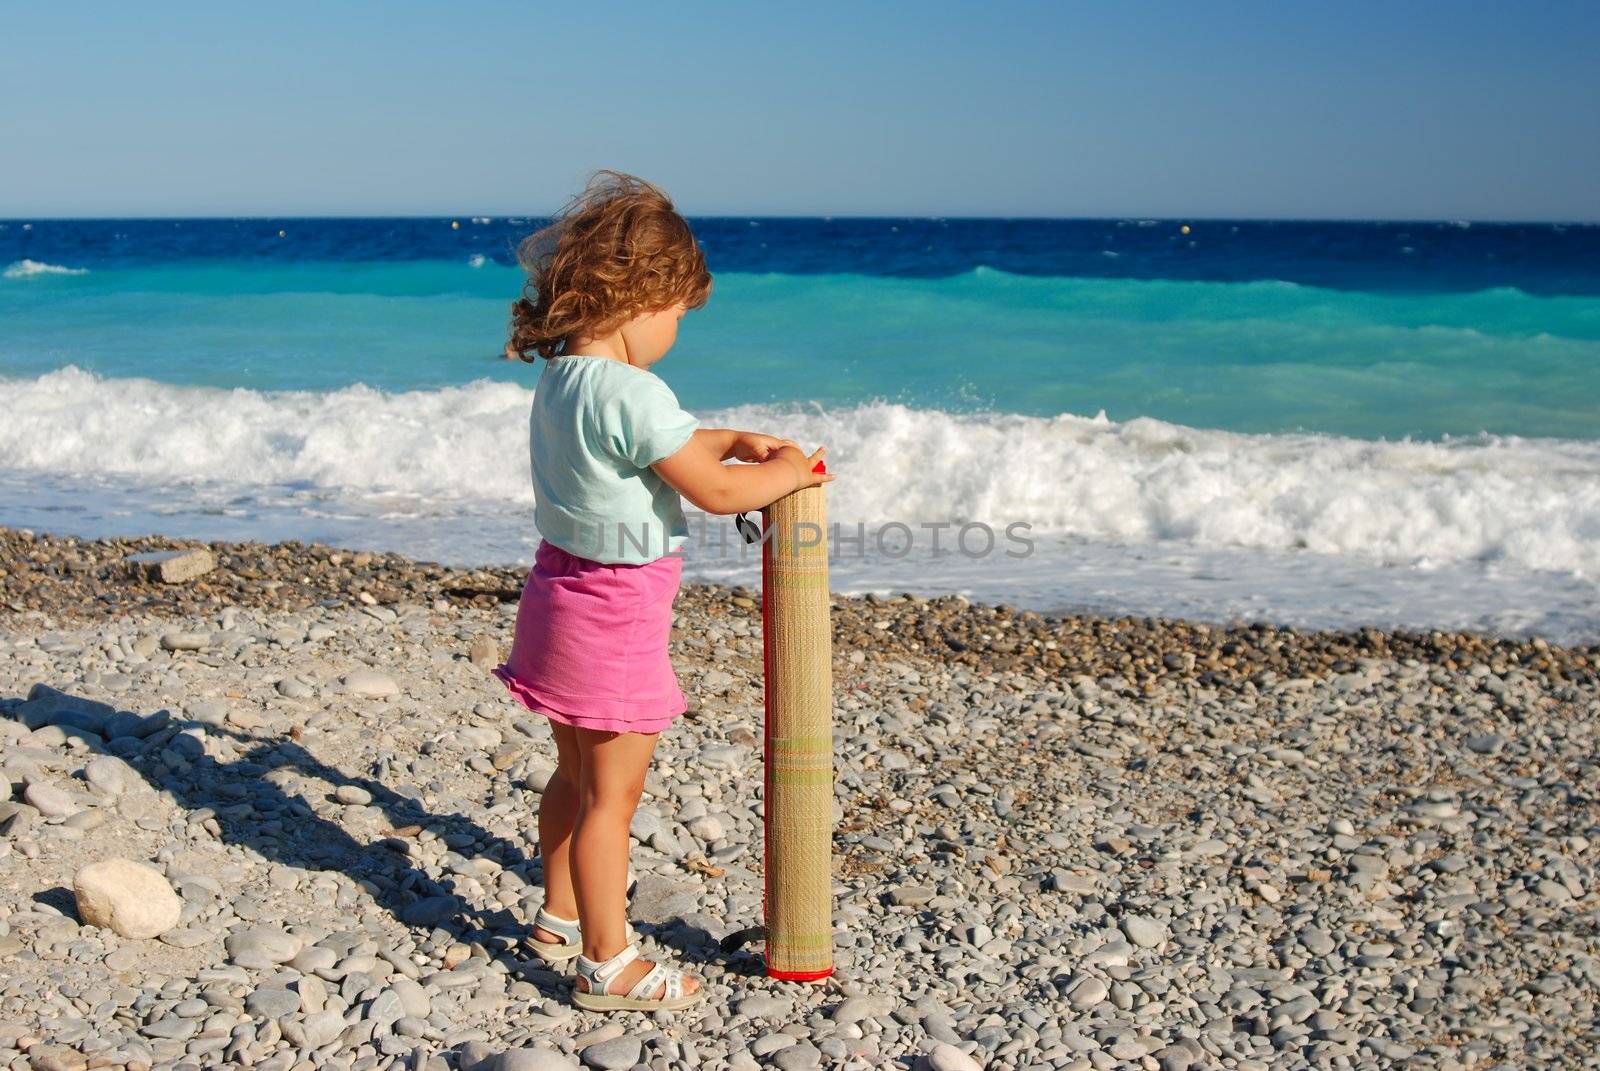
(797, 641)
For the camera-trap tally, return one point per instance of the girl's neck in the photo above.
(613, 346)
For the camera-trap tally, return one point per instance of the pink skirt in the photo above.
(590, 648)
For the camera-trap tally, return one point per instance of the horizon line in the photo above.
(449, 217)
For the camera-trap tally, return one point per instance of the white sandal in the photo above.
(571, 943)
(599, 998)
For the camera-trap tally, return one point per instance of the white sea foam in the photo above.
(25, 269)
(1529, 503)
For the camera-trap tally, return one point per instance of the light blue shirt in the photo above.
(597, 427)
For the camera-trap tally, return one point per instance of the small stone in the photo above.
(354, 795)
(802, 1057)
(1435, 809)
(1316, 941)
(272, 1002)
(769, 1043)
(187, 937)
(594, 1036)
(172, 1028)
(131, 898)
(911, 895)
(484, 652)
(322, 1028)
(313, 992)
(1142, 930)
(291, 688)
(527, 1060)
(1110, 954)
(55, 1058)
(49, 800)
(248, 720)
(763, 1006)
(1086, 992)
(313, 958)
(409, 1026)
(47, 706)
(430, 910)
(1486, 744)
(945, 1057)
(185, 641)
(172, 566)
(855, 1009)
(658, 899)
(1077, 884)
(413, 998)
(1175, 1057)
(707, 828)
(724, 756)
(385, 1010)
(210, 712)
(259, 947)
(371, 683)
(614, 1055)
(476, 1056)
(107, 773)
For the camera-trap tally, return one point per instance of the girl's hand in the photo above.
(805, 466)
(754, 446)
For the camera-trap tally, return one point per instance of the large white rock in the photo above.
(131, 898)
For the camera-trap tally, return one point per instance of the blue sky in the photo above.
(1260, 110)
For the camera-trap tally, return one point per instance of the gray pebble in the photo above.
(616, 1054)
(272, 1002)
(803, 1056)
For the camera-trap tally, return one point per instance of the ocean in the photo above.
(1320, 424)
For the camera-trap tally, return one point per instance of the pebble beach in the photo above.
(270, 810)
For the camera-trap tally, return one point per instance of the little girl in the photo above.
(612, 451)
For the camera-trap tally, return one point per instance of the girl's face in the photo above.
(649, 335)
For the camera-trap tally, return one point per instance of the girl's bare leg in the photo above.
(558, 813)
(611, 780)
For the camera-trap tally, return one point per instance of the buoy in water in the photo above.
(1184, 229)
(455, 225)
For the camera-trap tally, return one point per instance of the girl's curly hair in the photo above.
(616, 249)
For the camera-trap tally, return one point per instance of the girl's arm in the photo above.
(729, 444)
(718, 440)
(697, 473)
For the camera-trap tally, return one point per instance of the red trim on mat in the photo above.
(798, 976)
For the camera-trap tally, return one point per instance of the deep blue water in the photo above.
(1425, 256)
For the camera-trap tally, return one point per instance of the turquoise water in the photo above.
(1257, 357)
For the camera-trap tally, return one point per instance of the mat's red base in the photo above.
(798, 976)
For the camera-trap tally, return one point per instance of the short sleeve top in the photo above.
(597, 426)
